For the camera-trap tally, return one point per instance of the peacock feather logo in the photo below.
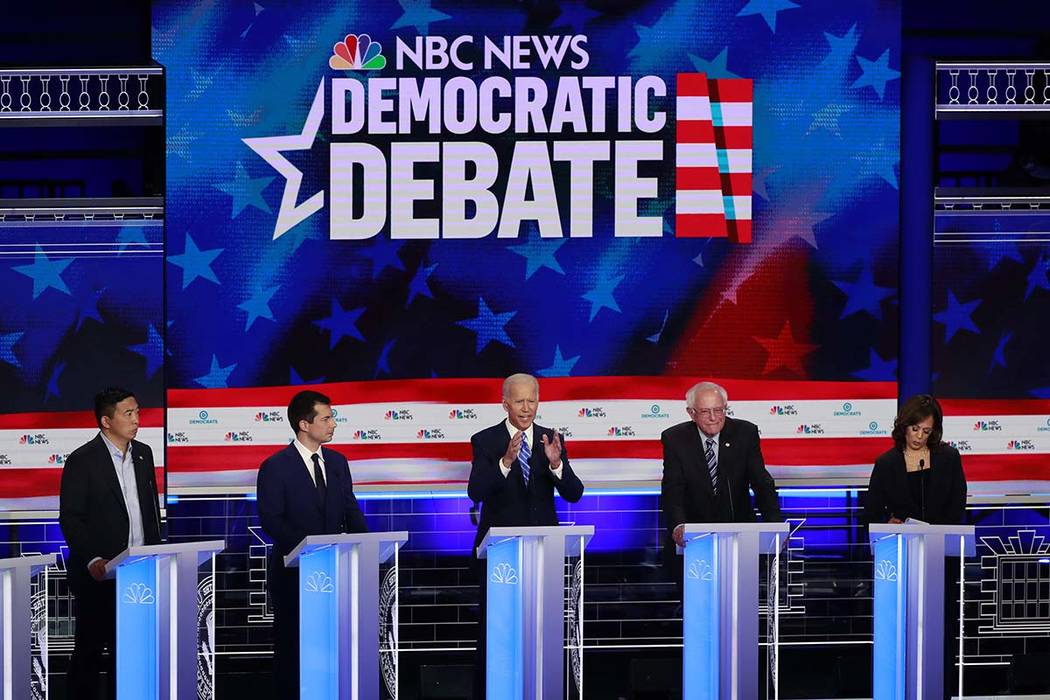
(504, 573)
(357, 52)
(138, 594)
(319, 582)
(885, 571)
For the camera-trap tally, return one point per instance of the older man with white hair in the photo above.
(710, 462)
(517, 466)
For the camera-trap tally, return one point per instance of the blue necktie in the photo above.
(712, 463)
(523, 458)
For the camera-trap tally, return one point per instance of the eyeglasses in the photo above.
(917, 429)
(709, 412)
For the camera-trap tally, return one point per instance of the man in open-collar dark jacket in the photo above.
(498, 480)
(96, 522)
(687, 492)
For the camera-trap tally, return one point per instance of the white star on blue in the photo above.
(601, 297)
(341, 323)
(418, 14)
(717, 67)
(216, 376)
(1037, 278)
(45, 273)
(52, 382)
(957, 317)
(7, 347)
(539, 253)
(258, 306)
(560, 366)
(88, 308)
(195, 262)
(152, 350)
(999, 356)
(383, 363)
(418, 286)
(383, 255)
(489, 326)
(878, 369)
(245, 191)
(876, 73)
(864, 294)
(768, 9)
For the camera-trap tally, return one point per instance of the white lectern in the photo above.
(157, 626)
(16, 622)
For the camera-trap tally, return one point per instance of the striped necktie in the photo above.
(523, 458)
(712, 463)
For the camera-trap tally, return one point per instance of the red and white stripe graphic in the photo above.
(713, 158)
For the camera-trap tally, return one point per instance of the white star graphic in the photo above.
(269, 149)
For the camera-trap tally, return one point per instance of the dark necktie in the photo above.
(523, 459)
(712, 464)
(322, 488)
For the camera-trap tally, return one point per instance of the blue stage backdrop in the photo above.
(423, 190)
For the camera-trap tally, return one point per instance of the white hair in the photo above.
(702, 388)
(519, 378)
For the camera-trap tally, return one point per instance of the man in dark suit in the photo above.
(107, 503)
(710, 462)
(304, 489)
(517, 466)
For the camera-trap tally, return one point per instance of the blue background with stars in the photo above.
(83, 309)
(813, 297)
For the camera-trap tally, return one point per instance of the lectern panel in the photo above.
(137, 628)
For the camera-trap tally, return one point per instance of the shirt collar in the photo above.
(113, 449)
(306, 454)
(514, 431)
(704, 436)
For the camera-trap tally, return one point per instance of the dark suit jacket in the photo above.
(290, 509)
(686, 491)
(92, 512)
(889, 494)
(508, 502)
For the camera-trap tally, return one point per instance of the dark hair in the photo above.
(106, 402)
(302, 407)
(912, 412)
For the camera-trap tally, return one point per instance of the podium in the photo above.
(909, 606)
(339, 611)
(525, 613)
(157, 619)
(16, 627)
(720, 607)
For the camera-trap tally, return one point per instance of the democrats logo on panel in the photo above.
(874, 429)
(985, 426)
(34, 439)
(366, 435)
(810, 429)
(398, 414)
(238, 436)
(178, 438)
(847, 410)
(138, 594)
(530, 136)
(319, 582)
(203, 418)
(430, 434)
(591, 412)
(504, 573)
(1045, 427)
(1020, 446)
(462, 414)
(337, 417)
(269, 417)
(655, 412)
(785, 410)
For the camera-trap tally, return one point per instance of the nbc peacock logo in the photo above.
(357, 52)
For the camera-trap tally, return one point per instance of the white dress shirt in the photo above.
(532, 446)
(308, 460)
(124, 465)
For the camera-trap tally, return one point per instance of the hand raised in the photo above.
(552, 448)
(511, 455)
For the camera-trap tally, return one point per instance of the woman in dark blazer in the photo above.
(919, 477)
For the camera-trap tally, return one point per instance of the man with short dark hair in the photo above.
(304, 489)
(107, 503)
